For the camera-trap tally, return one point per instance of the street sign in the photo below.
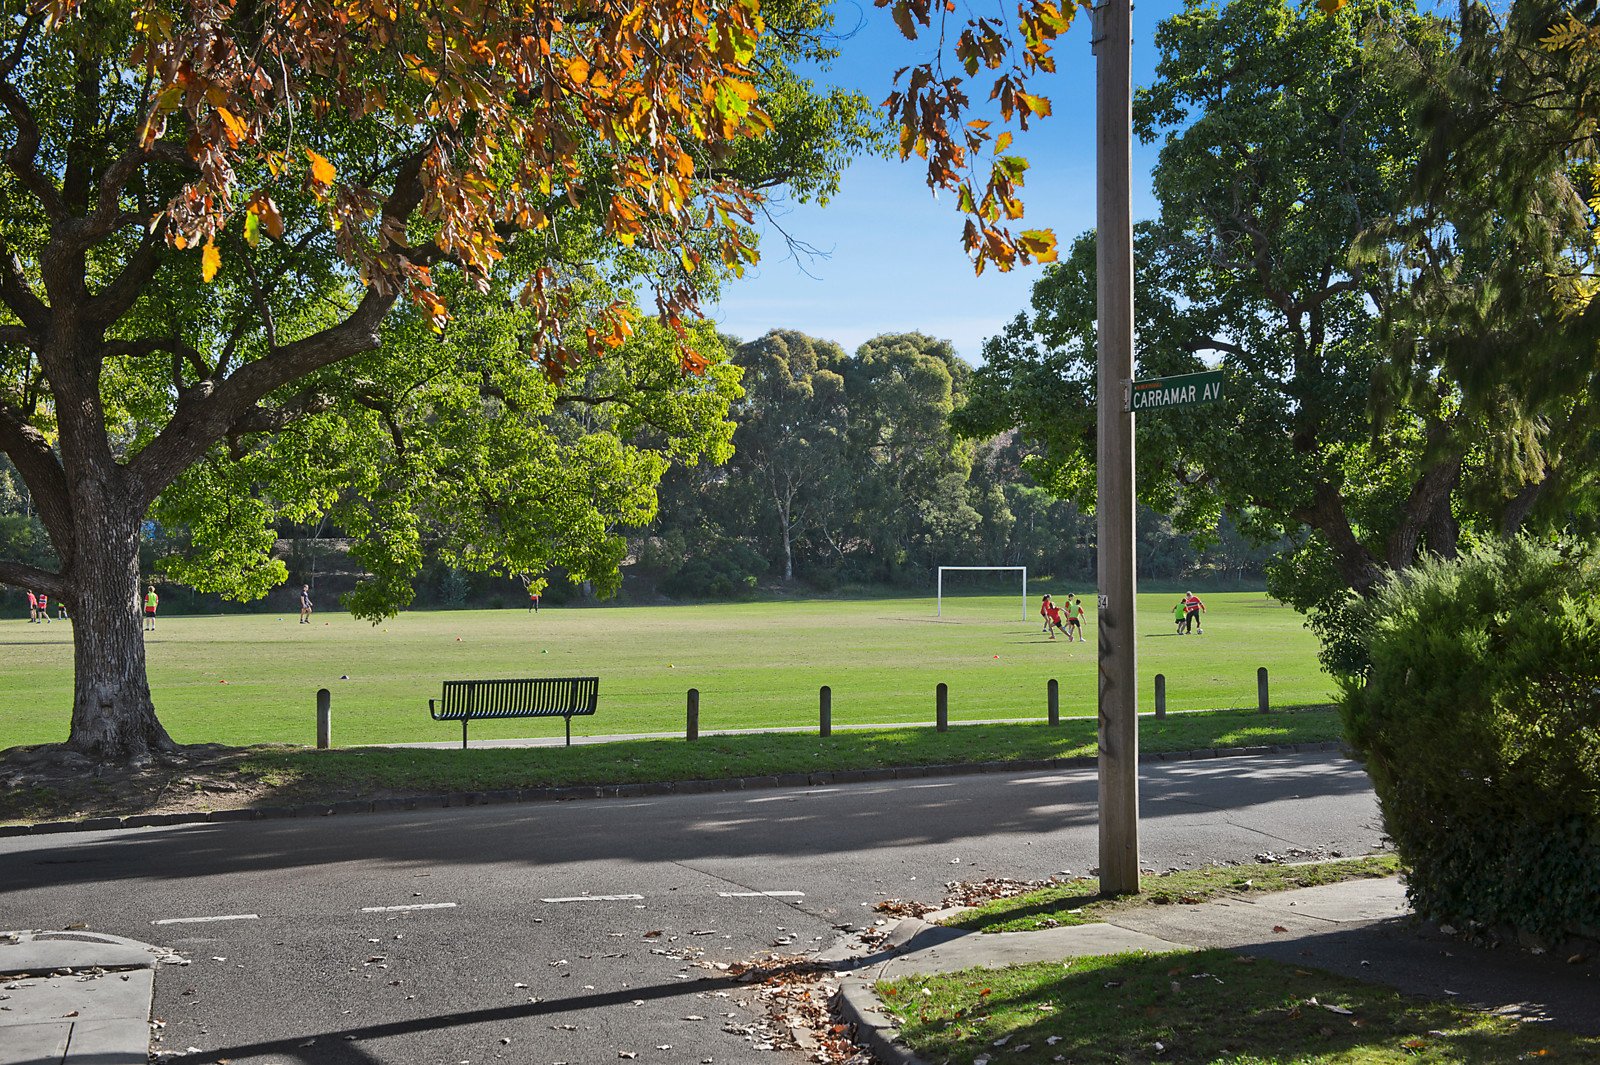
(1159, 393)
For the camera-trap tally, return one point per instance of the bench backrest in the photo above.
(532, 697)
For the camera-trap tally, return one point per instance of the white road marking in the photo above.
(208, 920)
(761, 894)
(595, 898)
(412, 906)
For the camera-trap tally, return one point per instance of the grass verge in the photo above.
(1080, 902)
(1198, 1008)
(273, 776)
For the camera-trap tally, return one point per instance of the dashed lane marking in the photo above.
(761, 894)
(209, 920)
(595, 898)
(412, 906)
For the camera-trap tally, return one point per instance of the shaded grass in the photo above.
(1080, 902)
(268, 776)
(1198, 1008)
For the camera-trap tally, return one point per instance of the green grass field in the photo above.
(756, 665)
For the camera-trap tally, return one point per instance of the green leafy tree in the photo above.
(266, 262)
(1280, 256)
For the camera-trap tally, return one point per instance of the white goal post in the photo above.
(939, 596)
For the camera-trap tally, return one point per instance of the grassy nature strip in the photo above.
(1198, 1008)
(1080, 902)
(768, 754)
(275, 776)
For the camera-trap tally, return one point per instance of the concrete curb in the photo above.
(857, 1004)
(625, 791)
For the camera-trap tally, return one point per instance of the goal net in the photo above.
(939, 594)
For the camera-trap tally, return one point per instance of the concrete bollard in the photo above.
(1161, 695)
(1053, 701)
(694, 715)
(1262, 702)
(324, 719)
(825, 711)
(942, 708)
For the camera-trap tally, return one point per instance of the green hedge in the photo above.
(1477, 710)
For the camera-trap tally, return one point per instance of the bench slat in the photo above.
(472, 700)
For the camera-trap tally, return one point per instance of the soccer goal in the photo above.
(939, 596)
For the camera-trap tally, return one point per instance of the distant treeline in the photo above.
(849, 470)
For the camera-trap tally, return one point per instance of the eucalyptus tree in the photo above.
(791, 436)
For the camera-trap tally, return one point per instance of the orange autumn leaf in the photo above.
(210, 261)
(322, 171)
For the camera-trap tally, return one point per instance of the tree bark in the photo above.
(1355, 563)
(788, 542)
(113, 716)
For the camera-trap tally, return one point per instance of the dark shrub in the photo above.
(1478, 713)
(724, 569)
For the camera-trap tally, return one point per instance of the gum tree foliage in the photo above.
(265, 260)
(908, 473)
(790, 444)
(1291, 251)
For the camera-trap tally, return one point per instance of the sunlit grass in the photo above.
(253, 678)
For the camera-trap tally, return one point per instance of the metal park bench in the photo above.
(471, 700)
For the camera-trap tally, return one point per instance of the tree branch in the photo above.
(272, 419)
(113, 301)
(134, 349)
(1213, 344)
(30, 452)
(22, 157)
(207, 412)
(1326, 514)
(1519, 506)
(15, 292)
(19, 336)
(20, 576)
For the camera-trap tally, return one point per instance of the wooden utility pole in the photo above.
(1119, 687)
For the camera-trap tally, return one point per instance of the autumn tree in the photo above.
(244, 247)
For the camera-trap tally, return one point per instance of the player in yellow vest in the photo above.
(151, 600)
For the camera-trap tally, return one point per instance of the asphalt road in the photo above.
(525, 932)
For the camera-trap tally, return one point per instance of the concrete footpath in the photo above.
(79, 998)
(1360, 928)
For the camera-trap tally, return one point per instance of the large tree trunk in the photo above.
(113, 717)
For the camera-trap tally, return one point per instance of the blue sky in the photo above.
(894, 260)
